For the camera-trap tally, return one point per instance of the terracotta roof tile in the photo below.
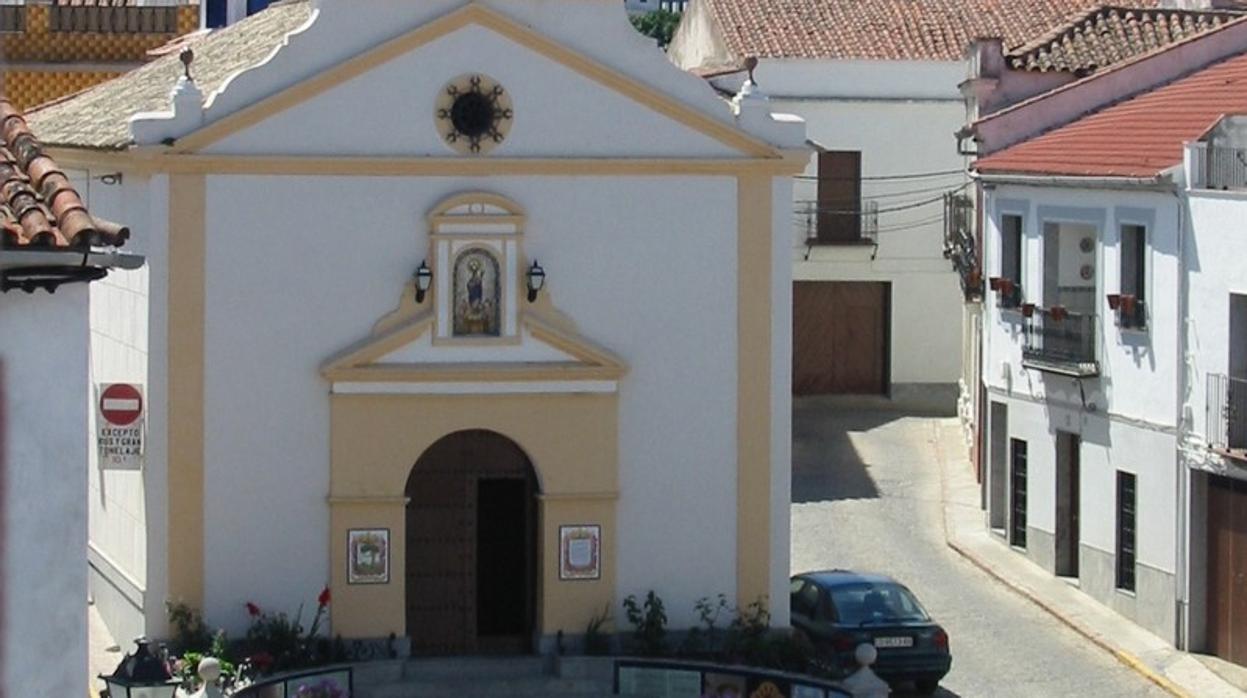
(1110, 34)
(883, 29)
(1137, 137)
(38, 205)
(99, 116)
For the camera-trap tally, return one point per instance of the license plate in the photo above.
(894, 642)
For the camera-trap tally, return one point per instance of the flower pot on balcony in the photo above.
(994, 283)
(1114, 300)
(1058, 313)
(1028, 309)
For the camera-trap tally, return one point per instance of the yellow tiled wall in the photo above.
(27, 88)
(39, 45)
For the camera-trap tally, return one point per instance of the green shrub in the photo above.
(649, 624)
(598, 643)
(190, 633)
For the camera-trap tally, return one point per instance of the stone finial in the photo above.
(209, 672)
(864, 683)
(186, 56)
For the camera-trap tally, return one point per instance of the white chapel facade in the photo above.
(441, 295)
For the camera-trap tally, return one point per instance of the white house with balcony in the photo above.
(877, 305)
(1114, 333)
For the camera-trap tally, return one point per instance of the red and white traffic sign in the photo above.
(121, 404)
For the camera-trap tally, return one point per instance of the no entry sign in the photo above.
(121, 404)
(119, 424)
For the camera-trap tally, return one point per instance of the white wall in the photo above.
(118, 553)
(618, 126)
(1214, 247)
(288, 291)
(1107, 446)
(1138, 369)
(43, 581)
(894, 138)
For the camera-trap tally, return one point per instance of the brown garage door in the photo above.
(840, 337)
(1227, 568)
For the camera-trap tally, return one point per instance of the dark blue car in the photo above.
(839, 610)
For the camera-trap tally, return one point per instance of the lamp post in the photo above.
(424, 278)
(141, 675)
(536, 280)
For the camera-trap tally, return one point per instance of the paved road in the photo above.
(866, 495)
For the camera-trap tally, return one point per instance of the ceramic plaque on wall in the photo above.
(368, 556)
(580, 552)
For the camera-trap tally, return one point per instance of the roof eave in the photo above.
(1161, 181)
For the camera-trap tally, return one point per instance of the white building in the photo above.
(1111, 310)
(878, 309)
(1001, 76)
(50, 248)
(610, 420)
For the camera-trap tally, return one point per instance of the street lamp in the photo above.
(424, 278)
(536, 279)
(141, 675)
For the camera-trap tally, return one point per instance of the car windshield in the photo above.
(867, 603)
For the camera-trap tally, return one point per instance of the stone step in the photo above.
(442, 668)
(488, 688)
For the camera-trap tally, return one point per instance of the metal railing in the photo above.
(1218, 167)
(818, 223)
(1059, 341)
(12, 18)
(287, 685)
(1227, 413)
(95, 19)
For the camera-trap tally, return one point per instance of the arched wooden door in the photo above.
(471, 546)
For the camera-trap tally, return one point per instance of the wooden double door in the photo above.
(1227, 569)
(840, 337)
(471, 547)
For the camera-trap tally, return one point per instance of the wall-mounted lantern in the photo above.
(424, 279)
(536, 280)
(141, 675)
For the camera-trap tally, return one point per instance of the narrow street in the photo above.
(867, 496)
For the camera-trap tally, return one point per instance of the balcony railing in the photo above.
(12, 18)
(825, 226)
(1218, 167)
(1058, 341)
(1227, 415)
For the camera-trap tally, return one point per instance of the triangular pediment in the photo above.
(260, 109)
(407, 351)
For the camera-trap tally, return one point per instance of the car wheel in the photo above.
(927, 686)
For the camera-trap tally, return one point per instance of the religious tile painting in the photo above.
(477, 294)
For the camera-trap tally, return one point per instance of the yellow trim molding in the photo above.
(148, 161)
(571, 440)
(753, 389)
(185, 356)
(480, 15)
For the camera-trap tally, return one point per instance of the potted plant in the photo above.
(1058, 313)
(1028, 309)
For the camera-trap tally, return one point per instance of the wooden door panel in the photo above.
(442, 539)
(839, 337)
(1227, 569)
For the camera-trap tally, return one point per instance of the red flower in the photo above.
(261, 660)
(323, 599)
(253, 610)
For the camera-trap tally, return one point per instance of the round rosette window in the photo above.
(473, 114)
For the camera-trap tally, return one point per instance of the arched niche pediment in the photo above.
(476, 324)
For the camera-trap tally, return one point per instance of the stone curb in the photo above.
(1130, 660)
